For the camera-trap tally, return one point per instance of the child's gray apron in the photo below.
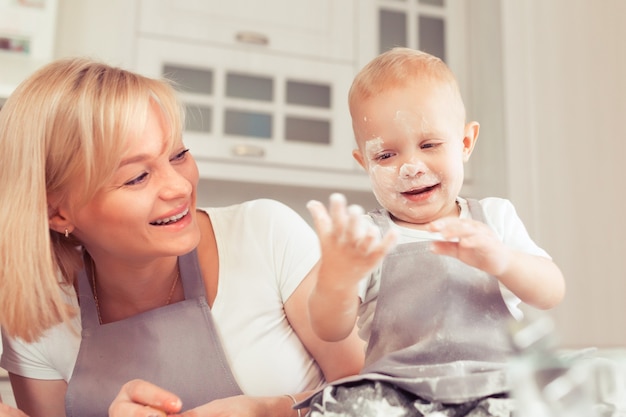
(439, 328)
(175, 347)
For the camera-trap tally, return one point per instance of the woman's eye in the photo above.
(179, 156)
(137, 179)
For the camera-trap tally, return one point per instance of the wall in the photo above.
(565, 99)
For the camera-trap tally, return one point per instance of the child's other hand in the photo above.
(351, 246)
(472, 242)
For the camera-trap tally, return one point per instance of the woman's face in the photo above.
(148, 208)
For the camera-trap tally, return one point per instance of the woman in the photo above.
(207, 304)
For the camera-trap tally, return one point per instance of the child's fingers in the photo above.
(453, 229)
(389, 241)
(321, 219)
(375, 245)
(338, 213)
(357, 226)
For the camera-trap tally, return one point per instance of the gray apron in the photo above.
(440, 326)
(175, 347)
(439, 329)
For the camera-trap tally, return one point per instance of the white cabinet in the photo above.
(320, 28)
(257, 108)
(434, 26)
(27, 30)
(265, 85)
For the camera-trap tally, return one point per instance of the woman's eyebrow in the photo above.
(134, 158)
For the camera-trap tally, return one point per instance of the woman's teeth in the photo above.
(169, 220)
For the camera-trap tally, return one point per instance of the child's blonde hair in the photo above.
(398, 67)
(62, 134)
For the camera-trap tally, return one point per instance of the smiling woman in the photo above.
(95, 164)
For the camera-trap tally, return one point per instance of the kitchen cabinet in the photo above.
(314, 29)
(258, 112)
(257, 108)
(264, 83)
(434, 26)
(27, 30)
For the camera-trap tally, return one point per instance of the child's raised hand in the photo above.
(351, 246)
(472, 242)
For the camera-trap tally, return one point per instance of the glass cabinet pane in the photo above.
(247, 123)
(249, 87)
(392, 30)
(198, 118)
(432, 36)
(440, 3)
(193, 80)
(299, 129)
(308, 94)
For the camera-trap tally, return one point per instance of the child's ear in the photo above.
(358, 156)
(470, 137)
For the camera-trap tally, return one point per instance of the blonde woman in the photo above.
(100, 210)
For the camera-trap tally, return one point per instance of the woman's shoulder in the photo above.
(52, 356)
(252, 210)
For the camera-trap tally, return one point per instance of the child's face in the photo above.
(413, 143)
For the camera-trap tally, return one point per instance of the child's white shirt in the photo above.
(500, 215)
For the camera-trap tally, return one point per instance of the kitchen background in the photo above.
(265, 85)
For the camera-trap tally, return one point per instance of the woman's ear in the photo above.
(59, 221)
(470, 136)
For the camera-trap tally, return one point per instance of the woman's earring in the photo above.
(67, 233)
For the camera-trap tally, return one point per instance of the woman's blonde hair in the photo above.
(62, 134)
(398, 67)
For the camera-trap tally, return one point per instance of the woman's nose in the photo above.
(175, 185)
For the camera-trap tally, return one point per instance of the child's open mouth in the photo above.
(417, 191)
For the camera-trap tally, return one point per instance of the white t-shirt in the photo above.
(500, 215)
(265, 250)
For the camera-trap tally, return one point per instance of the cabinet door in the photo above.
(257, 108)
(320, 28)
(434, 26)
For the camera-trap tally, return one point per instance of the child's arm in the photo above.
(536, 280)
(350, 249)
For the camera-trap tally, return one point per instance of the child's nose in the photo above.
(412, 168)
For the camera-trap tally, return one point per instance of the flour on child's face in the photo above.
(412, 153)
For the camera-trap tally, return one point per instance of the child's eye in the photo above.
(137, 179)
(430, 145)
(179, 156)
(383, 156)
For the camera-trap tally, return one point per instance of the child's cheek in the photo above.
(384, 181)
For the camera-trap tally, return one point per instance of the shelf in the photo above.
(262, 174)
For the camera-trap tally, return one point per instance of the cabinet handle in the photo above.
(248, 150)
(253, 38)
